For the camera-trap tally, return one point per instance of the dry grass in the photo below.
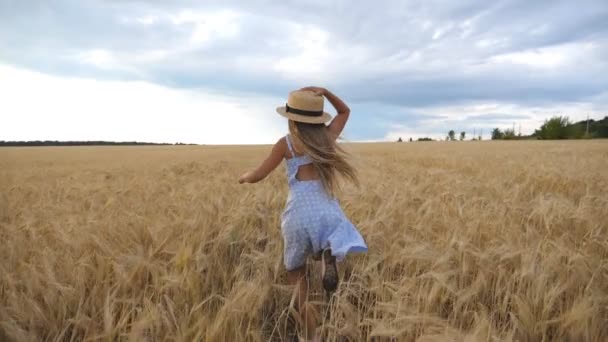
(468, 242)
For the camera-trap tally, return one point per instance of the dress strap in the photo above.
(289, 145)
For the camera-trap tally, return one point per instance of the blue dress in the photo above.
(313, 220)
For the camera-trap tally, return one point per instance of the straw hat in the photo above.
(304, 106)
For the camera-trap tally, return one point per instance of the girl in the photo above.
(313, 222)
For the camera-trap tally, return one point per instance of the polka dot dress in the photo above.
(313, 220)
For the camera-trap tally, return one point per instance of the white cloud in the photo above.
(421, 56)
(208, 25)
(548, 58)
(36, 106)
(98, 57)
(147, 20)
(441, 31)
(308, 53)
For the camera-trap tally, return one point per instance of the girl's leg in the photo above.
(329, 271)
(297, 277)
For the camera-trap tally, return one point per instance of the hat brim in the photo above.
(326, 117)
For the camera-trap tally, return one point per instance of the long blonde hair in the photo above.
(327, 157)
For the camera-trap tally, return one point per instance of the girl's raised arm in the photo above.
(272, 161)
(337, 124)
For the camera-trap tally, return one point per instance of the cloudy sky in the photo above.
(213, 71)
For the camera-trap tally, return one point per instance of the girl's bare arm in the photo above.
(272, 161)
(337, 124)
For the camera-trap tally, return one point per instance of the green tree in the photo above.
(497, 134)
(452, 135)
(597, 129)
(462, 135)
(508, 134)
(600, 128)
(554, 128)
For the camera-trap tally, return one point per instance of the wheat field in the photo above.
(469, 241)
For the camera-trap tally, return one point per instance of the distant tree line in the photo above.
(79, 143)
(419, 139)
(507, 134)
(560, 127)
(452, 136)
(557, 127)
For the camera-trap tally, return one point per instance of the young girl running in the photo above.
(313, 223)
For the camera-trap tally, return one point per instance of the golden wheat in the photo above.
(473, 241)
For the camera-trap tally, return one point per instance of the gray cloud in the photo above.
(497, 117)
(404, 54)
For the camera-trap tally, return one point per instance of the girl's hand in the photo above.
(317, 90)
(247, 177)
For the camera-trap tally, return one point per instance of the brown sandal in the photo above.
(329, 271)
